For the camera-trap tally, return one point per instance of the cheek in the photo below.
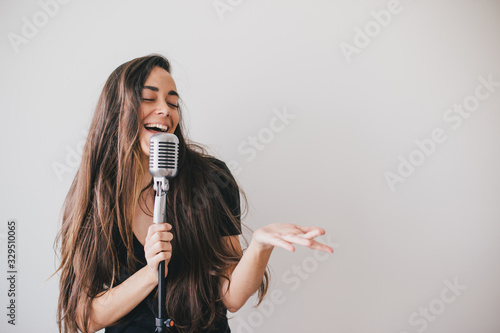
(144, 141)
(142, 113)
(145, 149)
(175, 118)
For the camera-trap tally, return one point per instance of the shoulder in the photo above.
(220, 169)
(230, 192)
(217, 162)
(222, 176)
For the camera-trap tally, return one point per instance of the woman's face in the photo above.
(159, 106)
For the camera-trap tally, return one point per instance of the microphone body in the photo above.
(163, 162)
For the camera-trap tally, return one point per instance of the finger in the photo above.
(281, 243)
(154, 248)
(311, 232)
(158, 248)
(163, 256)
(164, 236)
(158, 237)
(298, 239)
(158, 227)
(311, 243)
(168, 246)
(320, 246)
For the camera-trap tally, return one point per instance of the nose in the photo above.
(163, 109)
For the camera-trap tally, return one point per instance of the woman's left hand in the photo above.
(284, 234)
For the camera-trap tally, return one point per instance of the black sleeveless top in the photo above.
(142, 317)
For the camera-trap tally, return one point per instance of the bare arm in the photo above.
(247, 275)
(114, 304)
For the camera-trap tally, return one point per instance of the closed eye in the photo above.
(152, 100)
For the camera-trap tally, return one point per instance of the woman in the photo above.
(110, 248)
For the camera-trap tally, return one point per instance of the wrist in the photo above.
(260, 246)
(150, 276)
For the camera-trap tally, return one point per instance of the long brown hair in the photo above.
(101, 202)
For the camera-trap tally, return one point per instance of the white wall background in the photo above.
(396, 252)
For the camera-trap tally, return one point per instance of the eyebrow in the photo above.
(171, 92)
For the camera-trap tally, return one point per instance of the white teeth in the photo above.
(160, 126)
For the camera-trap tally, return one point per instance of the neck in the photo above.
(146, 177)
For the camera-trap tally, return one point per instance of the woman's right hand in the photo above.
(158, 247)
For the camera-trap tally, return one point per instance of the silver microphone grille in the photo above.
(163, 155)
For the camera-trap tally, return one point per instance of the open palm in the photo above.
(286, 234)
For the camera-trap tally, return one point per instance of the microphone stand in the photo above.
(160, 216)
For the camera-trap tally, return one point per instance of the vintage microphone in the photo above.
(163, 161)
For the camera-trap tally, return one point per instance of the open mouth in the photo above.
(156, 127)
